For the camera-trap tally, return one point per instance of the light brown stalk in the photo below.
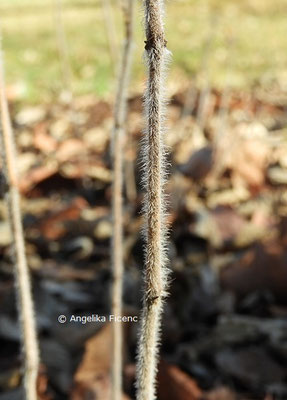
(203, 106)
(63, 49)
(204, 97)
(191, 96)
(111, 33)
(117, 249)
(220, 139)
(130, 181)
(154, 167)
(24, 294)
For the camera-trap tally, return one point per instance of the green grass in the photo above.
(258, 53)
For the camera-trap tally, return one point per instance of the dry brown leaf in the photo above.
(97, 358)
(92, 379)
(42, 384)
(176, 384)
(43, 141)
(263, 267)
(37, 175)
(69, 149)
(249, 161)
(31, 115)
(53, 226)
(96, 139)
(78, 170)
(221, 393)
(26, 161)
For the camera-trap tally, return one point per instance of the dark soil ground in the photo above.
(224, 327)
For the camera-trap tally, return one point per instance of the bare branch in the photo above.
(111, 33)
(63, 50)
(117, 249)
(25, 302)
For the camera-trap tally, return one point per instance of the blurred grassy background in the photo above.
(248, 42)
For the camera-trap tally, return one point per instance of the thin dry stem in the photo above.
(220, 142)
(203, 106)
(204, 97)
(130, 181)
(25, 302)
(191, 97)
(220, 138)
(155, 259)
(117, 250)
(111, 33)
(63, 49)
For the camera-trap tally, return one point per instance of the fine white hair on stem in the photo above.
(23, 286)
(117, 154)
(156, 272)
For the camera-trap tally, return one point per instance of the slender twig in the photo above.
(188, 108)
(203, 105)
(204, 97)
(220, 136)
(130, 184)
(117, 250)
(191, 96)
(154, 168)
(25, 302)
(111, 33)
(63, 50)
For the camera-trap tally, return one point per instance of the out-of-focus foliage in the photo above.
(247, 44)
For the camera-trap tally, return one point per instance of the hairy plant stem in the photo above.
(24, 293)
(155, 258)
(117, 250)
